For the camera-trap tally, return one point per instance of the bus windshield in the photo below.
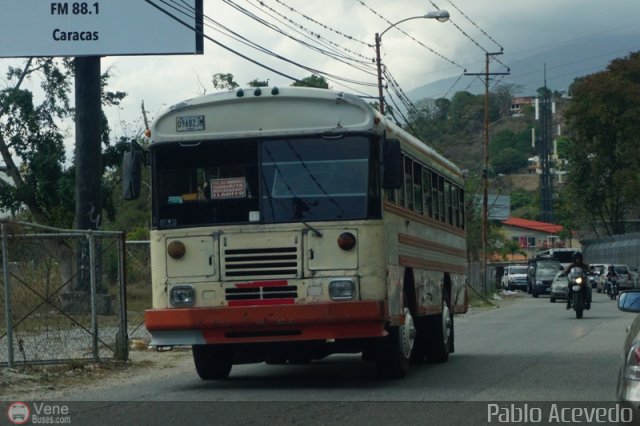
(275, 180)
(314, 180)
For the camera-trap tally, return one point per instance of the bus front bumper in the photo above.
(255, 324)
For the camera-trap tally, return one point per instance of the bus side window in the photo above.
(426, 189)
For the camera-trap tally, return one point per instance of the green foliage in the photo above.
(224, 81)
(509, 151)
(525, 204)
(510, 247)
(604, 147)
(32, 144)
(258, 83)
(474, 225)
(317, 81)
(133, 216)
(563, 143)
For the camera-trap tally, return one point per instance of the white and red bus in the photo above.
(289, 224)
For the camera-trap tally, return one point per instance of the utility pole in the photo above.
(88, 159)
(88, 151)
(544, 152)
(379, 65)
(485, 168)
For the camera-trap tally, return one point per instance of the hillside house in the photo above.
(533, 235)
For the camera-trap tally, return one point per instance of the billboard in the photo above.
(100, 27)
(499, 206)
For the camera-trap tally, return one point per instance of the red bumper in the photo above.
(247, 324)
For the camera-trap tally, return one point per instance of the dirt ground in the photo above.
(51, 382)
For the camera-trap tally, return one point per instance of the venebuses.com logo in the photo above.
(18, 413)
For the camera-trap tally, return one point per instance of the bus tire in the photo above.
(213, 362)
(395, 354)
(441, 329)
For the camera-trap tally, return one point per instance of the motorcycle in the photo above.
(612, 287)
(577, 282)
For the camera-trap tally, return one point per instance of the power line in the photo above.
(410, 36)
(249, 43)
(217, 42)
(278, 56)
(318, 35)
(325, 26)
(317, 38)
(475, 25)
(468, 36)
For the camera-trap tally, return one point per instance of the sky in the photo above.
(426, 50)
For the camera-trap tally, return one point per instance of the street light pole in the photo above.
(440, 15)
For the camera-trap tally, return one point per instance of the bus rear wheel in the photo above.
(395, 353)
(440, 341)
(213, 362)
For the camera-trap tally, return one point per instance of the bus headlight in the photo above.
(182, 295)
(342, 289)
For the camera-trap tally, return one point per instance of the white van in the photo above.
(515, 277)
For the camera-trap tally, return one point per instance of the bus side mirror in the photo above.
(132, 172)
(391, 164)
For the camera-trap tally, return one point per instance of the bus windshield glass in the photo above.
(315, 180)
(276, 180)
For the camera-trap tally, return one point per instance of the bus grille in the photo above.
(262, 293)
(278, 262)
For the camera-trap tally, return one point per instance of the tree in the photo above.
(604, 147)
(509, 151)
(258, 83)
(32, 142)
(224, 81)
(312, 81)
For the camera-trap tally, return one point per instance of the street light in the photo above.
(440, 15)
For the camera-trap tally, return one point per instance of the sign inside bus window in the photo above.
(190, 123)
(228, 188)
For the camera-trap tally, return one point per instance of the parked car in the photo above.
(544, 275)
(634, 276)
(559, 288)
(624, 277)
(515, 277)
(628, 389)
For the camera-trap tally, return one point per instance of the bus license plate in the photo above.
(190, 123)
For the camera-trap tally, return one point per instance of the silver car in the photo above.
(629, 378)
(559, 288)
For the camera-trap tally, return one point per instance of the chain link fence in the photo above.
(138, 272)
(64, 295)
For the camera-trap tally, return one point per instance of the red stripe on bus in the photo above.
(279, 283)
(264, 302)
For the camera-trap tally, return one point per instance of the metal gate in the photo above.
(63, 295)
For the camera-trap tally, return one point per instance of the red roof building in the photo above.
(549, 228)
(532, 234)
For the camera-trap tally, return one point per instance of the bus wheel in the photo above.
(395, 354)
(213, 362)
(440, 327)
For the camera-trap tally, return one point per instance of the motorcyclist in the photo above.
(579, 263)
(611, 273)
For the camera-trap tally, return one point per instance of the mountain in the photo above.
(563, 64)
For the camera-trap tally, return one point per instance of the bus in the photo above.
(289, 224)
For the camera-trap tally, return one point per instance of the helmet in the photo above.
(577, 256)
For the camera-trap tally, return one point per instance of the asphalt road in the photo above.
(531, 351)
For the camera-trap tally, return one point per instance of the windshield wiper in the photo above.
(314, 230)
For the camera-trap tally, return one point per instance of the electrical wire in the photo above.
(332, 77)
(451, 61)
